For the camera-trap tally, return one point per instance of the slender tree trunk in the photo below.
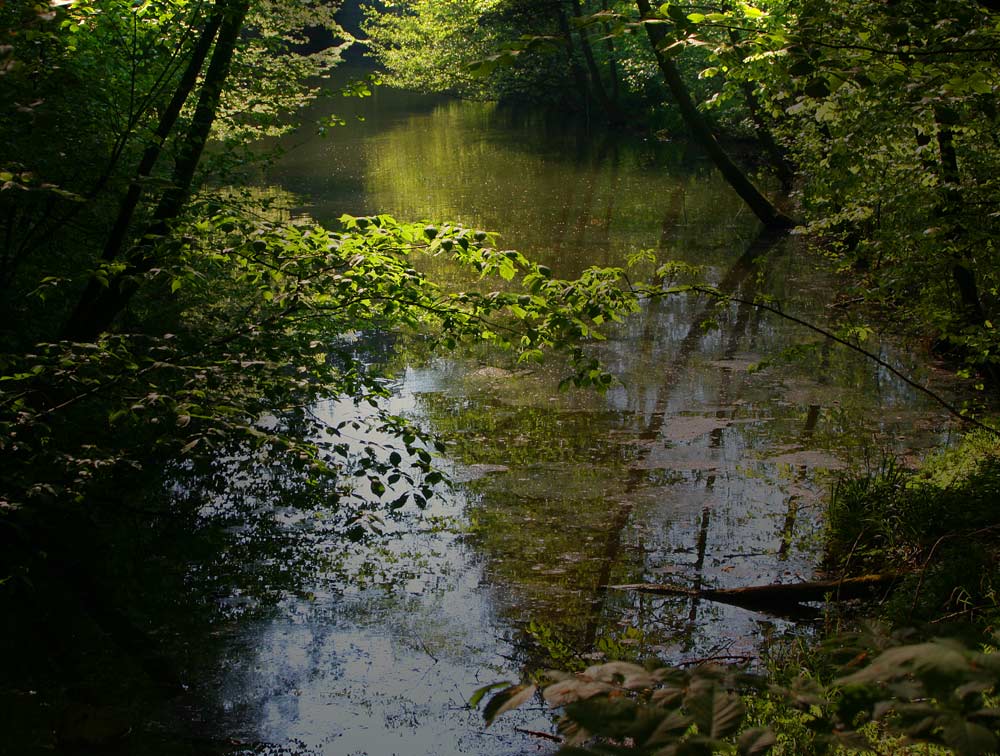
(164, 128)
(93, 317)
(596, 83)
(777, 598)
(48, 223)
(578, 73)
(762, 207)
(776, 155)
(964, 277)
(168, 119)
(609, 45)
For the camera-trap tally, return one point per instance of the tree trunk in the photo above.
(612, 57)
(762, 207)
(963, 276)
(776, 155)
(168, 119)
(776, 596)
(596, 83)
(93, 317)
(578, 73)
(164, 128)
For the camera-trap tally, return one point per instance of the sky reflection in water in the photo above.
(695, 470)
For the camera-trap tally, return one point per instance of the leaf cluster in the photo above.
(937, 692)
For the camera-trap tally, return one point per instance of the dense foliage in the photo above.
(889, 519)
(884, 114)
(150, 312)
(200, 312)
(884, 695)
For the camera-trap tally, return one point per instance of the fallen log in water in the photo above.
(775, 598)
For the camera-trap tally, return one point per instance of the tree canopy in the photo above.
(160, 311)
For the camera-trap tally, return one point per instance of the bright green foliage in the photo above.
(272, 78)
(889, 111)
(886, 112)
(427, 45)
(233, 318)
(299, 290)
(82, 90)
(509, 49)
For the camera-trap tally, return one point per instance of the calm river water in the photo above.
(696, 469)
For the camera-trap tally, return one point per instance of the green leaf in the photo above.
(675, 13)
(609, 716)
(507, 700)
(968, 738)
(937, 664)
(717, 712)
(478, 693)
(817, 88)
(755, 740)
(671, 728)
(532, 355)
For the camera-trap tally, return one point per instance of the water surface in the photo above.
(702, 467)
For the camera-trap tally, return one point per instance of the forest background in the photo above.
(154, 308)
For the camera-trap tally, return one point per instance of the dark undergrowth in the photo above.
(937, 527)
(915, 672)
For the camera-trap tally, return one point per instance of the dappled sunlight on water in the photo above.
(706, 465)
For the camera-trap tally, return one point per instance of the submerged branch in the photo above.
(775, 598)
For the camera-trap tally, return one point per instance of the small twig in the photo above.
(426, 650)
(846, 302)
(717, 657)
(539, 734)
(969, 611)
(95, 390)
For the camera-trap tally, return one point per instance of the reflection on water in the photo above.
(696, 469)
(565, 195)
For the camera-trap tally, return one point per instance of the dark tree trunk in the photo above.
(612, 57)
(579, 76)
(94, 316)
(762, 207)
(168, 119)
(963, 276)
(775, 154)
(164, 128)
(596, 83)
(778, 598)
